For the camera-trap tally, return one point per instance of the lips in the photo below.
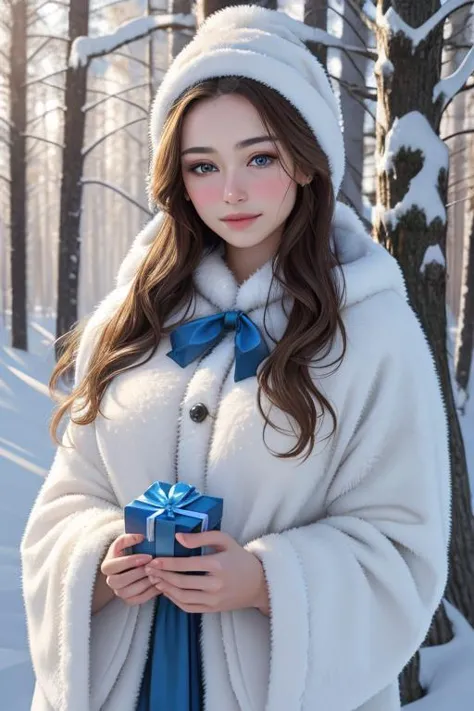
(238, 218)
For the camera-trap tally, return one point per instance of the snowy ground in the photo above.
(26, 452)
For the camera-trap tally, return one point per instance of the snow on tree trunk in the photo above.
(353, 71)
(412, 166)
(316, 15)
(18, 267)
(71, 180)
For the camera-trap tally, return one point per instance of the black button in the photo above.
(198, 412)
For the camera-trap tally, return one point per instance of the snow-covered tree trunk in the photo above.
(353, 71)
(17, 76)
(71, 179)
(412, 172)
(316, 15)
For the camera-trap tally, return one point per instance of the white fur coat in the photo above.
(353, 542)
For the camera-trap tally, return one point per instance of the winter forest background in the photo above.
(76, 82)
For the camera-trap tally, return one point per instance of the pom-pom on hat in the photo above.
(267, 46)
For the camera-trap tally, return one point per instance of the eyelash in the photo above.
(192, 169)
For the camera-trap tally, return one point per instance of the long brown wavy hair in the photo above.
(303, 263)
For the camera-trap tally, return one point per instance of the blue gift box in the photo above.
(164, 510)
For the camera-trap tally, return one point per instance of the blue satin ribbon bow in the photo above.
(171, 503)
(195, 338)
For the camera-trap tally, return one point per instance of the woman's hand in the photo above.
(125, 574)
(230, 579)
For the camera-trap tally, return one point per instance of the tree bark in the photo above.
(316, 15)
(18, 259)
(71, 179)
(410, 88)
(177, 40)
(353, 70)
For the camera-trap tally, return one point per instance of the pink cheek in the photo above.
(205, 196)
(270, 188)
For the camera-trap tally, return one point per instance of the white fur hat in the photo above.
(267, 46)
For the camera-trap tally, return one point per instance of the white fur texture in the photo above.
(267, 46)
(353, 541)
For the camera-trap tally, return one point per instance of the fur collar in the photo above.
(367, 267)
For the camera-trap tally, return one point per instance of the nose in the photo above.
(233, 191)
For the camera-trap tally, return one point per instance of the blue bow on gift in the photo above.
(195, 338)
(170, 504)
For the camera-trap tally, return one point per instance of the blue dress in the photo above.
(172, 680)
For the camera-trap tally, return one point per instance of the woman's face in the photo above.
(224, 178)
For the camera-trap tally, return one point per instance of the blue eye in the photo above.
(263, 155)
(268, 158)
(200, 165)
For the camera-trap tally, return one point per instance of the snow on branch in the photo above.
(392, 22)
(116, 189)
(84, 49)
(314, 34)
(450, 86)
(413, 132)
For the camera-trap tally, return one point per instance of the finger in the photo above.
(197, 563)
(144, 597)
(186, 597)
(134, 589)
(186, 607)
(217, 539)
(112, 566)
(186, 582)
(126, 540)
(116, 582)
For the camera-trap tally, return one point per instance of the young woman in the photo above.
(307, 399)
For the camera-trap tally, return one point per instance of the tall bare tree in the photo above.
(71, 183)
(353, 79)
(411, 224)
(17, 77)
(178, 39)
(316, 15)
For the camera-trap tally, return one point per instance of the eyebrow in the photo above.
(241, 144)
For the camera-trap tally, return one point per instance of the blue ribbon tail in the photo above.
(250, 350)
(173, 679)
